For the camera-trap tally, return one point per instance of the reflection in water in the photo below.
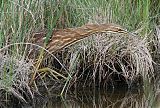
(119, 98)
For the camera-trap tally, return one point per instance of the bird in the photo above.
(62, 38)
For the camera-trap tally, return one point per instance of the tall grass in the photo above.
(19, 19)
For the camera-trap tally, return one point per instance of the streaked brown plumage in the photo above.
(65, 37)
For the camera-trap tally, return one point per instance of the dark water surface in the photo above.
(119, 98)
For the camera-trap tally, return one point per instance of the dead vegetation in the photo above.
(100, 60)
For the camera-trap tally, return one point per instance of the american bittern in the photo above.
(62, 38)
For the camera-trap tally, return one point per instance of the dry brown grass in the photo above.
(97, 59)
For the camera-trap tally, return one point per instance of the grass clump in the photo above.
(106, 57)
(14, 74)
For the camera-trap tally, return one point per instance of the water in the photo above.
(95, 98)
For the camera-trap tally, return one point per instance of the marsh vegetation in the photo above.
(102, 60)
